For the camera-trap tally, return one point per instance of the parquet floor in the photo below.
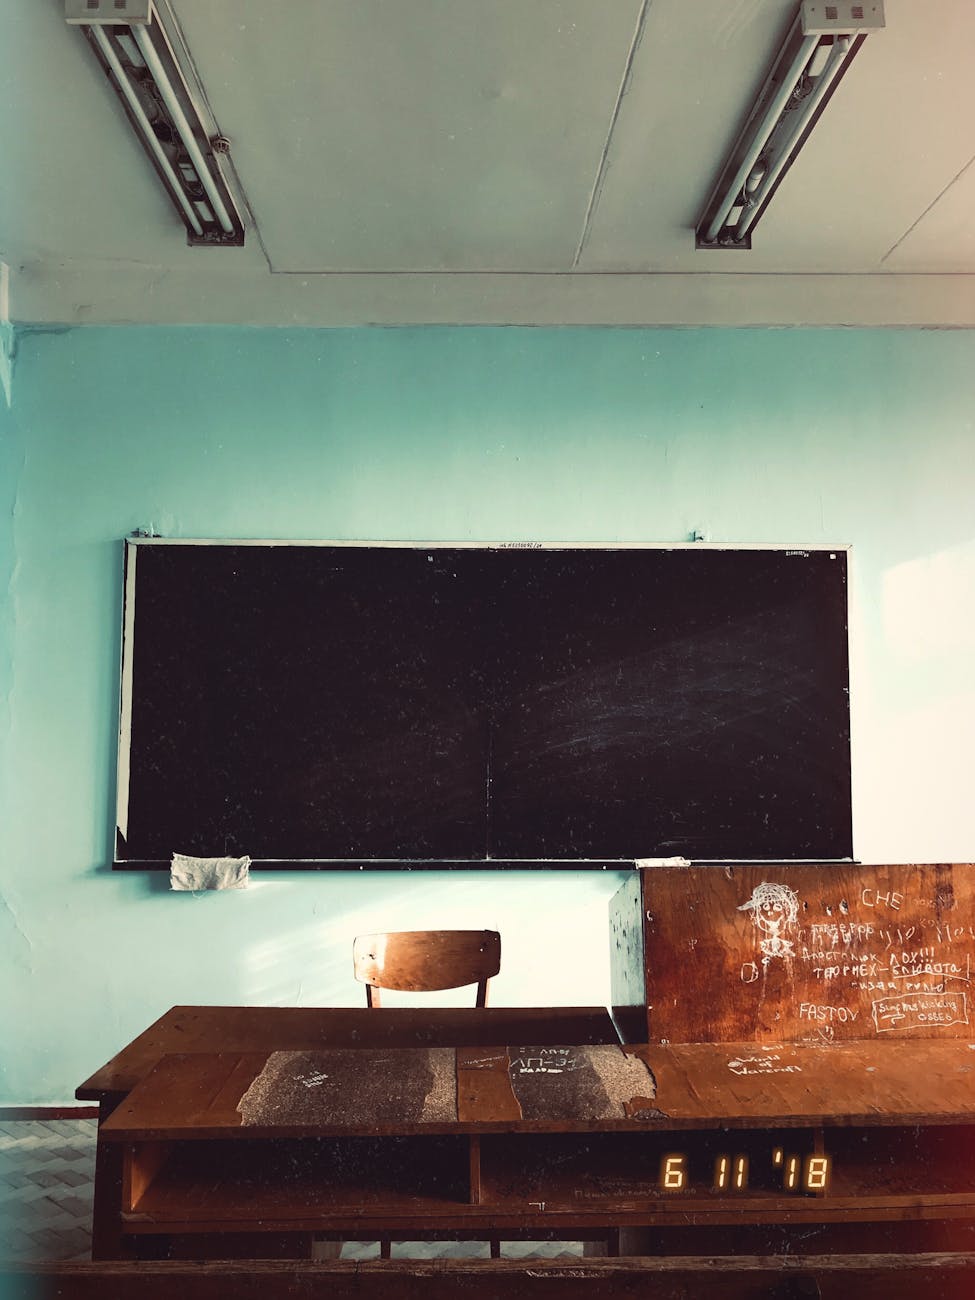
(47, 1176)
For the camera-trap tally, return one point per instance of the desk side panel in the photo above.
(627, 961)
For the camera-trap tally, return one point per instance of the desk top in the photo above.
(263, 1030)
(547, 1089)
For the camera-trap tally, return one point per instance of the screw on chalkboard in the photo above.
(697, 535)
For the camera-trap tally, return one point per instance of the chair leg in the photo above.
(384, 1248)
(495, 1245)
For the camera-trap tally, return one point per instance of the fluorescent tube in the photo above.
(182, 126)
(132, 99)
(766, 127)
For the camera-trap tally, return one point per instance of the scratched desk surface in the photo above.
(548, 1089)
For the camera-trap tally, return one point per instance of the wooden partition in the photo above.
(783, 953)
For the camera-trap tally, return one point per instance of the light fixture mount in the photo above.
(141, 49)
(817, 52)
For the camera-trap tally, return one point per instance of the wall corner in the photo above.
(7, 341)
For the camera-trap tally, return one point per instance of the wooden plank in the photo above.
(851, 1083)
(868, 1277)
(697, 1085)
(484, 1086)
(474, 1153)
(47, 1112)
(106, 1221)
(417, 1222)
(143, 1161)
(822, 952)
(267, 1029)
(198, 1091)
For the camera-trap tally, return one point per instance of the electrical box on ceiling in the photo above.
(824, 19)
(107, 11)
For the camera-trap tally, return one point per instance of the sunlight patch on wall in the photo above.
(300, 966)
(929, 605)
(916, 789)
(552, 954)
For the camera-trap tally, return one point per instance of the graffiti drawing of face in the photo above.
(770, 915)
(774, 910)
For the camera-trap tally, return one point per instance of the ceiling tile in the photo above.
(452, 134)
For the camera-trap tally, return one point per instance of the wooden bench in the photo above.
(881, 1277)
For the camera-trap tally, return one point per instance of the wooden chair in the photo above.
(422, 961)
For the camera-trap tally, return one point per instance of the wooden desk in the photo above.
(757, 1143)
(847, 1084)
(262, 1030)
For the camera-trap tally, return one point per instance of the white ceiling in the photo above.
(523, 161)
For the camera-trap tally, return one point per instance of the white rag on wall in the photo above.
(187, 872)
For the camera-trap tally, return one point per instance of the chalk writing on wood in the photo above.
(910, 959)
(929, 1010)
(770, 1064)
(545, 1060)
(808, 952)
(594, 1082)
(774, 910)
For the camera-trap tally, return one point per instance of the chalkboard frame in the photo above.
(128, 858)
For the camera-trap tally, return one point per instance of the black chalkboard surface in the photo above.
(324, 705)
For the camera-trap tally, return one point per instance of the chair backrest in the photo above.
(425, 960)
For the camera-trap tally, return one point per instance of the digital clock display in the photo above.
(783, 1170)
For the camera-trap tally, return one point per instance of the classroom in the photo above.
(532, 352)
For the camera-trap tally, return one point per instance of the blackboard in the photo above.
(337, 704)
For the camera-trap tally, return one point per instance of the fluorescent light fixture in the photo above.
(817, 52)
(136, 42)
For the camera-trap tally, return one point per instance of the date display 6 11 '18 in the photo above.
(793, 1173)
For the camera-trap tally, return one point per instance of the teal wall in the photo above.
(860, 437)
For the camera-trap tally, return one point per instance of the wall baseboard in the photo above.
(48, 1112)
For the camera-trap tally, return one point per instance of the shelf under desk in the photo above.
(853, 1132)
